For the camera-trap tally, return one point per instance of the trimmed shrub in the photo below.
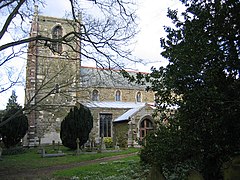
(77, 124)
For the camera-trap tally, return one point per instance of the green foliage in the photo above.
(202, 80)
(168, 150)
(127, 169)
(77, 124)
(108, 142)
(14, 151)
(12, 101)
(122, 140)
(14, 130)
(21, 161)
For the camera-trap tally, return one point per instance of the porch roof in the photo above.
(127, 115)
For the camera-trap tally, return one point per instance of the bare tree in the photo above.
(104, 35)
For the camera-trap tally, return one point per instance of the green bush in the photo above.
(16, 123)
(14, 151)
(108, 142)
(77, 124)
(122, 140)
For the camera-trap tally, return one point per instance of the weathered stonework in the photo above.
(55, 83)
(47, 74)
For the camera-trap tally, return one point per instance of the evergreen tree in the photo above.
(202, 80)
(77, 124)
(12, 101)
(13, 131)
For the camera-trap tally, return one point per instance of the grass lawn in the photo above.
(32, 160)
(124, 169)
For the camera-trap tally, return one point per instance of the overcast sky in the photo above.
(152, 18)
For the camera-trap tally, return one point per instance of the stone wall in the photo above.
(108, 94)
(54, 84)
(51, 80)
(96, 124)
(120, 133)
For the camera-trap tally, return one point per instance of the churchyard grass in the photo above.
(126, 168)
(31, 159)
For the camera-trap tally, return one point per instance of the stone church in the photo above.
(56, 81)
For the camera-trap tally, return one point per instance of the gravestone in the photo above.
(103, 146)
(78, 149)
(232, 169)
(117, 147)
(193, 174)
(44, 154)
(53, 145)
(58, 148)
(155, 174)
(39, 141)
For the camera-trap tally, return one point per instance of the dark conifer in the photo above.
(77, 124)
(13, 131)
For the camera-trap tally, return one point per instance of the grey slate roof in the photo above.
(94, 77)
(127, 115)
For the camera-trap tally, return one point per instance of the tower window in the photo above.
(95, 95)
(57, 88)
(118, 96)
(139, 97)
(56, 35)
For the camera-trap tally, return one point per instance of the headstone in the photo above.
(43, 152)
(78, 150)
(117, 145)
(117, 148)
(193, 174)
(103, 146)
(39, 150)
(155, 174)
(58, 147)
(39, 141)
(45, 155)
(53, 145)
(232, 168)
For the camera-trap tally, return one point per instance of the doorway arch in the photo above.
(145, 126)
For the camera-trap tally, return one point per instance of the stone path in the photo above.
(35, 174)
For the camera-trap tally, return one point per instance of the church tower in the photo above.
(52, 76)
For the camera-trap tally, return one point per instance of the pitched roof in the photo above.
(95, 77)
(127, 115)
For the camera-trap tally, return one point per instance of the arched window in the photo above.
(118, 96)
(139, 97)
(57, 88)
(105, 125)
(145, 127)
(95, 96)
(57, 34)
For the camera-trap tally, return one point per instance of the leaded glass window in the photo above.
(105, 125)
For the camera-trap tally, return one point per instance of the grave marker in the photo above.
(78, 150)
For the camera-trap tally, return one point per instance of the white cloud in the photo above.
(152, 16)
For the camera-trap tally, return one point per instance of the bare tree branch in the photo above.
(10, 18)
